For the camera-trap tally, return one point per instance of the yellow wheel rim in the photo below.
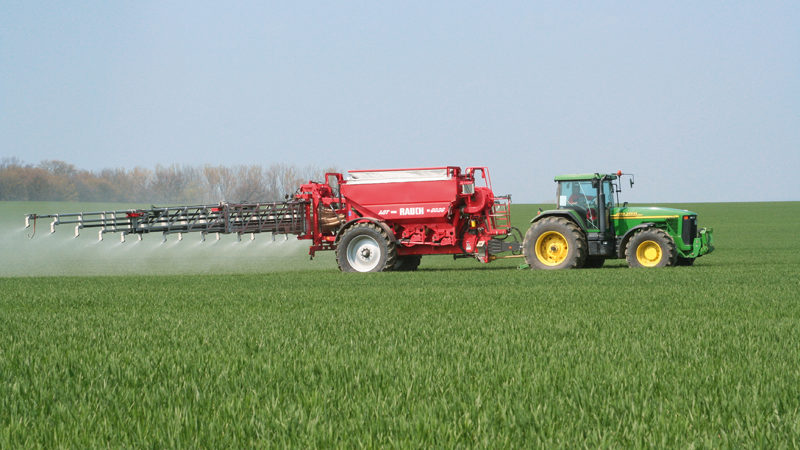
(649, 253)
(551, 248)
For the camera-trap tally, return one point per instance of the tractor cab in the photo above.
(591, 196)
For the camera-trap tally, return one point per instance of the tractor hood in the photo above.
(649, 212)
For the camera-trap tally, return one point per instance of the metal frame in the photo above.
(223, 218)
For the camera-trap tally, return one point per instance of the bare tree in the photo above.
(250, 184)
(58, 180)
(220, 183)
(174, 184)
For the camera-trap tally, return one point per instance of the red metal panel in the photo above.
(444, 191)
(405, 200)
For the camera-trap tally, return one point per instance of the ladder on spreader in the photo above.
(500, 215)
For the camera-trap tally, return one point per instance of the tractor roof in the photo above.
(584, 176)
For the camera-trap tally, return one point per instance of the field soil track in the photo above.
(457, 353)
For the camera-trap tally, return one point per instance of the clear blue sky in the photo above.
(701, 100)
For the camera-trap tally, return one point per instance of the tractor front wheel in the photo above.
(651, 247)
(365, 247)
(554, 243)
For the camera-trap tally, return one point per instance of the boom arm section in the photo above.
(224, 218)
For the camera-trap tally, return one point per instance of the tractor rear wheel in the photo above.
(651, 247)
(554, 243)
(407, 263)
(365, 247)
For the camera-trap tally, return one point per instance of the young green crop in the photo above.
(445, 356)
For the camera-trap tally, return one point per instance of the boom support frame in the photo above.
(223, 218)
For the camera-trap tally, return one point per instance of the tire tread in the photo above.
(658, 235)
(391, 247)
(569, 228)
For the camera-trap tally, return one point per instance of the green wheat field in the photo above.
(219, 344)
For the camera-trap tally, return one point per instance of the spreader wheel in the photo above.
(365, 247)
(407, 263)
(554, 243)
(651, 247)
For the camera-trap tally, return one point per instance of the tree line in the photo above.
(54, 180)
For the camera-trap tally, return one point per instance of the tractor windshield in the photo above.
(581, 196)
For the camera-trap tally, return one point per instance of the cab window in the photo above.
(608, 190)
(581, 197)
(576, 193)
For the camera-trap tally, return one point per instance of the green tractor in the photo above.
(591, 226)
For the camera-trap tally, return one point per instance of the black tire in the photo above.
(407, 263)
(684, 261)
(651, 247)
(594, 262)
(554, 243)
(365, 247)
